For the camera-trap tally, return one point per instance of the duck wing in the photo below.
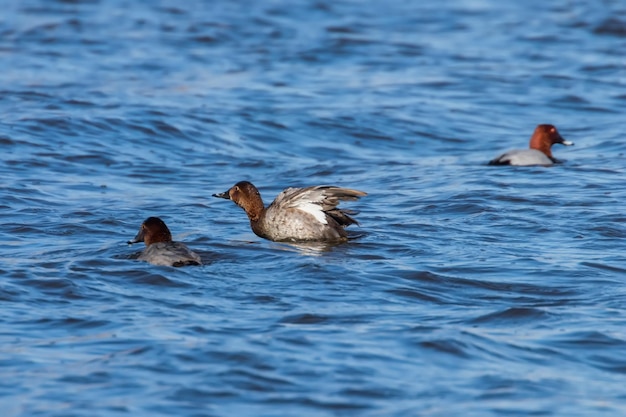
(320, 201)
(522, 157)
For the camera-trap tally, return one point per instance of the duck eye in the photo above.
(552, 130)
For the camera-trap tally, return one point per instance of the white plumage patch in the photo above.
(313, 209)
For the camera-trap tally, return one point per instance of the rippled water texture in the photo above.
(472, 291)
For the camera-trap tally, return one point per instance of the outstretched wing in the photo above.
(320, 201)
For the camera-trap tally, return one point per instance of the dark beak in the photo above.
(137, 239)
(225, 195)
(564, 142)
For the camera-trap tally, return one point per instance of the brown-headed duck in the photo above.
(539, 153)
(160, 249)
(297, 214)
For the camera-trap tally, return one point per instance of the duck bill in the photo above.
(136, 239)
(224, 195)
(564, 142)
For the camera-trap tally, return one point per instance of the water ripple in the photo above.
(467, 289)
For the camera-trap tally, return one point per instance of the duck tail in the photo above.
(343, 217)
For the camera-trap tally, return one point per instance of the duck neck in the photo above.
(254, 210)
(541, 146)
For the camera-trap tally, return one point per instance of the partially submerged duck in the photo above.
(160, 249)
(539, 152)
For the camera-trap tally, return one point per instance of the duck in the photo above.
(539, 152)
(160, 249)
(297, 214)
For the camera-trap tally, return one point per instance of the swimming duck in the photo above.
(539, 153)
(160, 249)
(297, 214)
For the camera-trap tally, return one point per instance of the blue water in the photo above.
(472, 291)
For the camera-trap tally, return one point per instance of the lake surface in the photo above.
(471, 290)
